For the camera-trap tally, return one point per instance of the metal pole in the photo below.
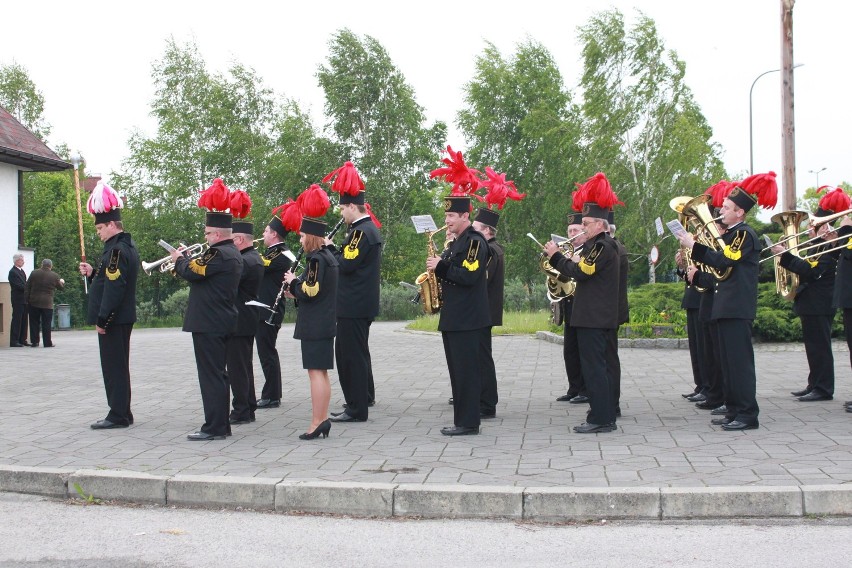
(750, 129)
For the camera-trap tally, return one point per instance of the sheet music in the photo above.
(676, 228)
(423, 223)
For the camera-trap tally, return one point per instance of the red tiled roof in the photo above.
(20, 147)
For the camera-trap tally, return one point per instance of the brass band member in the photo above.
(315, 290)
(360, 258)
(843, 285)
(814, 295)
(465, 318)
(577, 393)
(241, 343)
(613, 360)
(211, 313)
(112, 303)
(735, 302)
(596, 311)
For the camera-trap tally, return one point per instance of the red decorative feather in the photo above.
(498, 189)
(373, 216)
(240, 204)
(598, 190)
(764, 187)
(835, 200)
(347, 181)
(313, 201)
(217, 197)
(719, 191)
(456, 172)
(290, 215)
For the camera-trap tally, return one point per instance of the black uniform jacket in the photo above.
(112, 285)
(276, 262)
(736, 296)
(250, 278)
(464, 292)
(843, 281)
(816, 281)
(214, 278)
(596, 300)
(623, 269)
(360, 260)
(18, 282)
(316, 292)
(495, 273)
(691, 296)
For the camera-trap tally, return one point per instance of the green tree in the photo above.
(211, 125)
(379, 126)
(519, 119)
(20, 96)
(643, 127)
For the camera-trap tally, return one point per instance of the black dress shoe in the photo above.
(486, 415)
(459, 431)
(33, 344)
(700, 397)
(268, 403)
(849, 409)
(566, 397)
(239, 420)
(719, 411)
(16, 345)
(720, 421)
(737, 425)
(588, 428)
(322, 430)
(51, 345)
(708, 405)
(343, 417)
(579, 399)
(369, 404)
(802, 392)
(204, 437)
(450, 400)
(689, 394)
(106, 425)
(814, 396)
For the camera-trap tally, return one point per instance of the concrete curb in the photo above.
(626, 343)
(541, 504)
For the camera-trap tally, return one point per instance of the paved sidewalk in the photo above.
(49, 398)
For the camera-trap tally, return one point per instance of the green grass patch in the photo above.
(514, 323)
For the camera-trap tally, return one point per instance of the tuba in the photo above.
(556, 287)
(699, 217)
(787, 281)
(430, 288)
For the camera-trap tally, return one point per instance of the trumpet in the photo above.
(166, 264)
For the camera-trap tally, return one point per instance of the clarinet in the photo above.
(271, 319)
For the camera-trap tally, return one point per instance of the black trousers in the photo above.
(460, 348)
(352, 352)
(241, 376)
(40, 320)
(847, 327)
(697, 346)
(816, 335)
(712, 363)
(571, 354)
(115, 365)
(210, 357)
(18, 332)
(736, 355)
(613, 365)
(267, 353)
(488, 398)
(593, 360)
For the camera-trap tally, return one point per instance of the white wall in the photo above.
(9, 222)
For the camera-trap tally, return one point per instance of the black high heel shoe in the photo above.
(322, 430)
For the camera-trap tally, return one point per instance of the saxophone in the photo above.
(430, 288)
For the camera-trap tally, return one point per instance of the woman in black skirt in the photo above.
(315, 291)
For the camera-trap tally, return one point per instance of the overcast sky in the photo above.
(92, 61)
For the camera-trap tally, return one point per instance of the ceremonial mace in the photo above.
(76, 160)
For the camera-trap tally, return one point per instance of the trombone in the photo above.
(813, 223)
(802, 249)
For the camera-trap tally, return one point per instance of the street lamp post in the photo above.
(750, 127)
(816, 173)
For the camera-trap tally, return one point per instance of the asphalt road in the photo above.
(45, 533)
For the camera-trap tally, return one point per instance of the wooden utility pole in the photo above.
(788, 128)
